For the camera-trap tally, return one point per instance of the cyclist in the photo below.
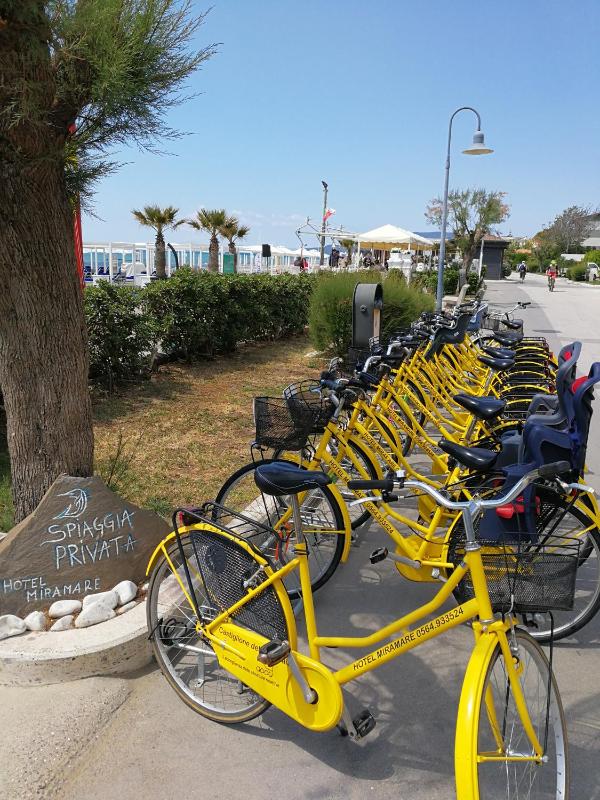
(522, 270)
(551, 273)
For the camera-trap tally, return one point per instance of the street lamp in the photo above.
(322, 259)
(478, 148)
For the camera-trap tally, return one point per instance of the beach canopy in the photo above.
(388, 236)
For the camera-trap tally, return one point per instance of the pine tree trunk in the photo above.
(160, 259)
(213, 254)
(43, 337)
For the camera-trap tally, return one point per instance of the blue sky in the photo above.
(360, 93)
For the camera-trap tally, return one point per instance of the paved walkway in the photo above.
(112, 738)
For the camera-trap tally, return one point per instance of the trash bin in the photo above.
(367, 304)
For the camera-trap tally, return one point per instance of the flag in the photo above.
(329, 213)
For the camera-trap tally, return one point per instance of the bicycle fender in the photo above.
(347, 521)
(157, 551)
(467, 720)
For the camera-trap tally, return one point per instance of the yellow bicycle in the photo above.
(226, 639)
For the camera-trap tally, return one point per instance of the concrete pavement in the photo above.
(146, 743)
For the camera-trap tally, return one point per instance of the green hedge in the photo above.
(202, 314)
(330, 317)
(121, 335)
(190, 316)
(577, 272)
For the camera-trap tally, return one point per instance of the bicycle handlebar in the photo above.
(547, 471)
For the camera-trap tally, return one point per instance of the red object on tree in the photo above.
(77, 235)
(78, 243)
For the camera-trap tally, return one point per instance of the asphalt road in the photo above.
(146, 743)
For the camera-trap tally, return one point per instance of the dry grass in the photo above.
(176, 438)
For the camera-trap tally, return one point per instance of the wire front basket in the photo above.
(529, 577)
(304, 401)
(280, 426)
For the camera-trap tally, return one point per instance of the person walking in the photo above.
(522, 270)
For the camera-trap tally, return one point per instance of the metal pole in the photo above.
(442, 255)
(323, 221)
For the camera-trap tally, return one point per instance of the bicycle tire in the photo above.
(358, 516)
(587, 600)
(488, 725)
(165, 593)
(239, 493)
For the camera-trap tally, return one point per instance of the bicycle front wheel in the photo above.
(499, 762)
(558, 522)
(322, 518)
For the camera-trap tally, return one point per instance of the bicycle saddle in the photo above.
(483, 407)
(281, 478)
(497, 363)
(513, 324)
(508, 338)
(476, 458)
(499, 352)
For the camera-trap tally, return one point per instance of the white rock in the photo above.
(110, 598)
(126, 607)
(63, 607)
(145, 587)
(63, 624)
(126, 591)
(36, 621)
(11, 625)
(93, 613)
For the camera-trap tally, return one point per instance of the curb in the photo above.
(115, 647)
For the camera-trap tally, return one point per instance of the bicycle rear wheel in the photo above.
(187, 661)
(501, 763)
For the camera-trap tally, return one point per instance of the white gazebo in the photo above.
(389, 236)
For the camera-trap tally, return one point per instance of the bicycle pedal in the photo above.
(273, 652)
(378, 555)
(364, 723)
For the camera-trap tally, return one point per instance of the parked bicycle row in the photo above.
(482, 432)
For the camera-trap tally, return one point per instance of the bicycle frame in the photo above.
(285, 683)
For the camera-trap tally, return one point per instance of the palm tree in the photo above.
(348, 244)
(211, 221)
(159, 219)
(232, 231)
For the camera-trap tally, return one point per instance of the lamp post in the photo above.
(322, 259)
(478, 148)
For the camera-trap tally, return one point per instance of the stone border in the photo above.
(115, 647)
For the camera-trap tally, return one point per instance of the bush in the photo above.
(330, 316)
(121, 336)
(592, 256)
(577, 272)
(191, 315)
(200, 314)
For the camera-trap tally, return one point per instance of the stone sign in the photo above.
(81, 539)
